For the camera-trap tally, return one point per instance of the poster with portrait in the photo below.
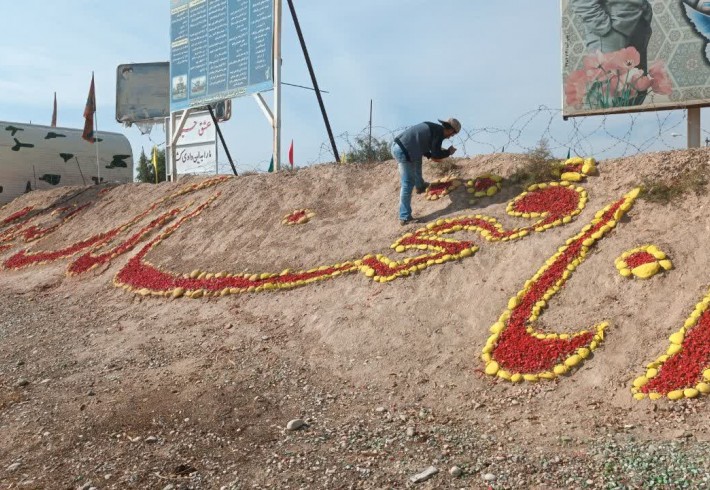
(634, 55)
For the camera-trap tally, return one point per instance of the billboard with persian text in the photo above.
(219, 49)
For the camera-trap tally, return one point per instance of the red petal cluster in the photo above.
(685, 368)
(572, 167)
(89, 260)
(520, 352)
(639, 258)
(35, 232)
(483, 183)
(439, 188)
(558, 201)
(296, 215)
(15, 216)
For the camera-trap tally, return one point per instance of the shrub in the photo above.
(537, 169)
(364, 152)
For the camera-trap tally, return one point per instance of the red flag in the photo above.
(290, 154)
(89, 111)
(54, 111)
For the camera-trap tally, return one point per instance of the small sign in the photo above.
(196, 150)
(196, 159)
(199, 128)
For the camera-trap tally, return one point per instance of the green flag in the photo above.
(271, 165)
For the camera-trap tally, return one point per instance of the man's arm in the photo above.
(436, 152)
(596, 19)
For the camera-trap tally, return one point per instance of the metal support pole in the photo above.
(278, 14)
(313, 78)
(96, 136)
(693, 127)
(221, 138)
(264, 108)
(369, 143)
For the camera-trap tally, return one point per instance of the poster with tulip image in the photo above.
(634, 55)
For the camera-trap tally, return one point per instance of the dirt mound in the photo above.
(133, 387)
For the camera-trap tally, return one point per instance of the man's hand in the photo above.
(452, 150)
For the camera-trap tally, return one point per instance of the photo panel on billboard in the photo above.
(634, 55)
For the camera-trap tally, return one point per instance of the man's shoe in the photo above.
(422, 190)
(405, 222)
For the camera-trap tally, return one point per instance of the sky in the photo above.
(492, 65)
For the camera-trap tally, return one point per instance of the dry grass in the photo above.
(673, 188)
(446, 167)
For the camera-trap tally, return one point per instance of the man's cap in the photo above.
(452, 123)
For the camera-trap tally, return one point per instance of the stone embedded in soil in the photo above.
(295, 424)
(424, 475)
(489, 477)
(151, 439)
(411, 431)
(455, 471)
(13, 466)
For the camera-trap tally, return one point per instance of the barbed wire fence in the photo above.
(609, 136)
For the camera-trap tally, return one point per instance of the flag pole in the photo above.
(96, 137)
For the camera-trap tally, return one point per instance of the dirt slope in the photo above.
(108, 387)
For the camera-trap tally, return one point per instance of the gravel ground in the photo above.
(74, 417)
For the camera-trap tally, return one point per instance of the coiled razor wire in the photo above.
(609, 136)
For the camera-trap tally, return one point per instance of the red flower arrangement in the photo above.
(34, 232)
(555, 202)
(90, 260)
(516, 351)
(18, 215)
(442, 187)
(643, 262)
(25, 258)
(485, 185)
(575, 169)
(298, 217)
(140, 276)
(684, 370)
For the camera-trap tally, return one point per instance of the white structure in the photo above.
(42, 157)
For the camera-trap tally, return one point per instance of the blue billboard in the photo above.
(219, 49)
